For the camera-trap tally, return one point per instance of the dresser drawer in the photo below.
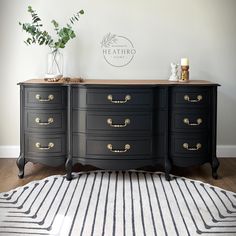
(88, 121)
(189, 121)
(45, 97)
(45, 145)
(189, 145)
(109, 147)
(112, 98)
(190, 96)
(45, 121)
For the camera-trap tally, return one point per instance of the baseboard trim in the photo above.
(9, 151)
(13, 151)
(226, 151)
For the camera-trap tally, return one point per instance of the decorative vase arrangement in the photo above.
(42, 37)
(184, 72)
(54, 64)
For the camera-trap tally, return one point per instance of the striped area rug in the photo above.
(117, 203)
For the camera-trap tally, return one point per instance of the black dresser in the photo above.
(118, 124)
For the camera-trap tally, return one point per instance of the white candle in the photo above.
(184, 62)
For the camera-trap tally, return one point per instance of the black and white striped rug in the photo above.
(117, 203)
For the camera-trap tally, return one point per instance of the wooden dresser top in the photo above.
(120, 82)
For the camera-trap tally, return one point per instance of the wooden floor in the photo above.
(9, 171)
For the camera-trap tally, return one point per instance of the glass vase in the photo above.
(54, 64)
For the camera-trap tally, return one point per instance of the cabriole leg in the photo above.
(69, 169)
(167, 170)
(21, 165)
(215, 165)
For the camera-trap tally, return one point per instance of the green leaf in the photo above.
(31, 29)
(44, 33)
(24, 27)
(30, 9)
(29, 40)
(56, 25)
(41, 40)
(36, 20)
(73, 35)
(62, 45)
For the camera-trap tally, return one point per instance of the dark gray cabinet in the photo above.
(118, 124)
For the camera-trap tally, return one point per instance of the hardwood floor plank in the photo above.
(10, 180)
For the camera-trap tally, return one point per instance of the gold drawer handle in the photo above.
(50, 121)
(187, 122)
(198, 146)
(50, 98)
(127, 98)
(187, 98)
(127, 147)
(50, 145)
(110, 122)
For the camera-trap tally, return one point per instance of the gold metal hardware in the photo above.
(127, 98)
(127, 147)
(198, 146)
(50, 145)
(50, 98)
(110, 122)
(50, 121)
(187, 98)
(186, 121)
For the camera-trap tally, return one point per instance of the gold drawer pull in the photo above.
(110, 122)
(50, 98)
(127, 147)
(127, 98)
(187, 122)
(50, 121)
(198, 146)
(50, 145)
(187, 98)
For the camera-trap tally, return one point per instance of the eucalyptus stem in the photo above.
(54, 59)
(42, 37)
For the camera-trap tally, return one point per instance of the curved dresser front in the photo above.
(118, 125)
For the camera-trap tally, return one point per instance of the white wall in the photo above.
(162, 31)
